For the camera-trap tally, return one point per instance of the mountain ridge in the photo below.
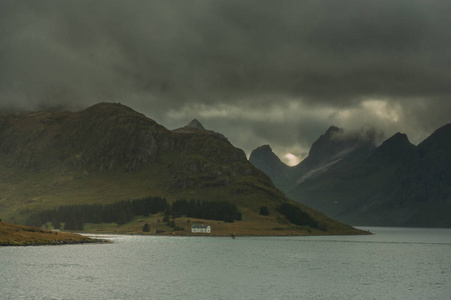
(109, 153)
(266, 160)
(334, 148)
(394, 184)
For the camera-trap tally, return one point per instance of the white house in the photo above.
(200, 228)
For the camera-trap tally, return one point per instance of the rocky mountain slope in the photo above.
(109, 152)
(267, 161)
(334, 149)
(395, 184)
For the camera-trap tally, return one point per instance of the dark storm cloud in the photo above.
(176, 58)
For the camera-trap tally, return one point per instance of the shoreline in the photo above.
(186, 234)
(21, 235)
(59, 243)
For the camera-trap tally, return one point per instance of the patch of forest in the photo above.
(74, 217)
(208, 210)
(297, 216)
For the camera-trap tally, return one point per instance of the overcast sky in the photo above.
(260, 72)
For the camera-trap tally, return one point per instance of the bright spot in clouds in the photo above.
(291, 159)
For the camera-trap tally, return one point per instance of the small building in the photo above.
(200, 228)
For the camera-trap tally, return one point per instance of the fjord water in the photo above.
(395, 263)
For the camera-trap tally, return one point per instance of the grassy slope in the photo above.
(30, 192)
(94, 188)
(252, 224)
(19, 235)
(193, 165)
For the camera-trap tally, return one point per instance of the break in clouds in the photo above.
(260, 72)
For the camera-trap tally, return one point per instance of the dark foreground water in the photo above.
(395, 263)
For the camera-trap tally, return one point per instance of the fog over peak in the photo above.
(277, 73)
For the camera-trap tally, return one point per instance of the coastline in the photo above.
(20, 235)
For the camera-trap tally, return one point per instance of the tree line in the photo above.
(75, 216)
(209, 210)
(297, 216)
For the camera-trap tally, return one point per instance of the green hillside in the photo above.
(109, 153)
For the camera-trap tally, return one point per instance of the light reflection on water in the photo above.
(395, 263)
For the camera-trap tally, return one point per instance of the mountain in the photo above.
(109, 153)
(266, 160)
(395, 184)
(195, 124)
(334, 149)
(395, 150)
(196, 127)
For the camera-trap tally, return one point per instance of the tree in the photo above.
(73, 224)
(264, 211)
(146, 228)
(228, 218)
(56, 224)
(297, 216)
(119, 212)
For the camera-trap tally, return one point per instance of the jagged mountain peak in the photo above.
(332, 130)
(397, 140)
(266, 160)
(349, 178)
(195, 124)
(335, 143)
(264, 154)
(397, 148)
(196, 127)
(263, 148)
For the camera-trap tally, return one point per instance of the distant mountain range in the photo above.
(350, 179)
(109, 153)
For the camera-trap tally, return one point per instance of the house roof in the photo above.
(199, 226)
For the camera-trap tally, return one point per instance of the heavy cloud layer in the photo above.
(260, 72)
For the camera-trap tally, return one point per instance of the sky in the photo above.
(259, 72)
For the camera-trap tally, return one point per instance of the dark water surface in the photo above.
(395, 263)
